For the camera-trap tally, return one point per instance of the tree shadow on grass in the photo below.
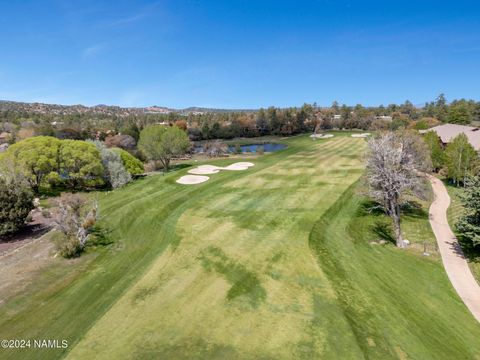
(414, 209)
(383, 229)
(370, 208)
(176, 167)
(471, 252)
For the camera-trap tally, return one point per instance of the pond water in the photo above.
(269, 147)
(252, 148)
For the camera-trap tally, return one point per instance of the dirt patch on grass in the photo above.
(33, 230)
(19, 266)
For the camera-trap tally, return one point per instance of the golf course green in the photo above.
(280, 261)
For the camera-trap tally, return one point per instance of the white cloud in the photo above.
(124, 21)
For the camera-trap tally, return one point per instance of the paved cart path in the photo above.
(452, 256)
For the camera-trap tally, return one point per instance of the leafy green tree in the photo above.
(16, 202)
(421, 125)
(468, 226)
(436, 152)
(80, 163)
(131, 163)
(460, 113)
(261, 122)
(163, 143)
(215, 131)
(460, 159)
(274, 122)
(36, 158)
(399, 123)
(441, 108)
(205, 130)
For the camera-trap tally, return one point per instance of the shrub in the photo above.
(16, 202)
(99, 236)
(115, 173)
(131, 163)
(68, 246)
(75, 219)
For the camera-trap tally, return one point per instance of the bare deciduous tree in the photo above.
(215, 148)
(395, 165)
(73, 218)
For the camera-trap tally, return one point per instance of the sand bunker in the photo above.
(238, 166)
(321, 136)
(204, 170)
(192, 179)
(210, 169)
(364, 135)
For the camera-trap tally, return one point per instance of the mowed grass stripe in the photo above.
(274, 254)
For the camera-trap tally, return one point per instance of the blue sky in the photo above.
(238, 54)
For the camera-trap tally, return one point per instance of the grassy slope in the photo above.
(398, 304)
(230, 268)
(455, 211)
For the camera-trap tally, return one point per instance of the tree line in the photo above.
(226, 125)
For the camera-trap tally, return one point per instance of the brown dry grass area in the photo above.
(20, 266)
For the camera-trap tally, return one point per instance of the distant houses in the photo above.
(448, 132)
(380, 117)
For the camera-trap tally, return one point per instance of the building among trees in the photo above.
(448, 132)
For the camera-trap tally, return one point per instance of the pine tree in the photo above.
(468, 226)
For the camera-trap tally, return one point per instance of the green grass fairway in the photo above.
(275, 262)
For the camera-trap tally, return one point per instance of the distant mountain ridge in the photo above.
(107, 110)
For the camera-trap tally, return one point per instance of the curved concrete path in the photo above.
(452, 256)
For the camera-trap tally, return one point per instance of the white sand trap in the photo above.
(364, 135)
(210, 169)
(244, 163)
(238, 166)
(204, 170)
(192, 179)
(321, 136)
